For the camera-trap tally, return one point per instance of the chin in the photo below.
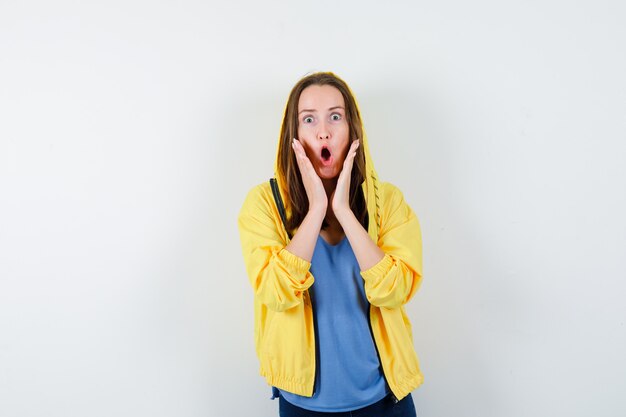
(327, 174)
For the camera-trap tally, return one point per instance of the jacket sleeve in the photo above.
(394, 280)
(278, 277)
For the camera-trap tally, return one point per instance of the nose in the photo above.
(323, 132)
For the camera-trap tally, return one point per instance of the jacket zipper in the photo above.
(314, 343)
(279, 202)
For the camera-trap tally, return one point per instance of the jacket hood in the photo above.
(370, 185)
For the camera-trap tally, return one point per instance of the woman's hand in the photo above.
(312, 182)
(340, 198)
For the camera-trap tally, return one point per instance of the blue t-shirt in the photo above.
(348, 372)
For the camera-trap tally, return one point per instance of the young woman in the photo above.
(332, 254)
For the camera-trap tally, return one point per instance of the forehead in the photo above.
(320, 97)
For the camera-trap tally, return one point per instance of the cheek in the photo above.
(305, 144)
(344, 151)
(304, 133)
(345, 140)
(343, 131)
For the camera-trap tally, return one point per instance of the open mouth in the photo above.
(325, 154)
(327, 158)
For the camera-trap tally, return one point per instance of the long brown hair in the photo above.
(288, 166)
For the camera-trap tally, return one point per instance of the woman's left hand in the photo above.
(340, 198)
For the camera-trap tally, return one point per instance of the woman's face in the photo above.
(323, 129)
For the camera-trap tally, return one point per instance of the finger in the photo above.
(353, 148)
(304, 163)
(350, 157)
(301, 153)
(295, 152)
(299, 159)
(299, 149)
(294, 146)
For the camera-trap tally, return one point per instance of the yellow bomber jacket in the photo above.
(283, 316)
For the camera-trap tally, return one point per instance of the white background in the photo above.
(131, 131)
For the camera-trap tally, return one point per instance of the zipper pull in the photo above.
(394, 399)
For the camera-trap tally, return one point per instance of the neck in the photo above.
(329, 186)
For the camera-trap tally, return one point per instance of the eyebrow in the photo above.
(313, 110)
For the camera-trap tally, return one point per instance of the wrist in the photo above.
(343, 214)
(317, 212)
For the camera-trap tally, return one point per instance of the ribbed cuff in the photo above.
(379, 270)
(297, 267)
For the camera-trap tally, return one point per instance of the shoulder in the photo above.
(259, 191)
(390, 194)
(393, 204)
(258, 198)
(259, 214)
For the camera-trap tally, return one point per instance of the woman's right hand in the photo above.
(312, 182)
